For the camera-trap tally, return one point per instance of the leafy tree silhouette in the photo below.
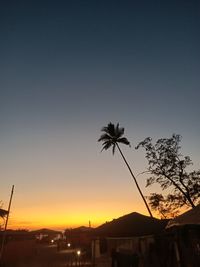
(168, 167)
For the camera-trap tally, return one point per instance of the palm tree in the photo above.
(112, 136)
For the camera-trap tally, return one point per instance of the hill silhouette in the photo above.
(45, 231)
(133, 224)
(80, 229)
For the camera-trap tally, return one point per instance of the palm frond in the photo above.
(106, 145)
(113, 149)
(119, 131)
(111, 129)
(104, 137)
(124, 141)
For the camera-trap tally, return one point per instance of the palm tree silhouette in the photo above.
(112, 136)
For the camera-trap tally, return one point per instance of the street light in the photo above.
(78, 252)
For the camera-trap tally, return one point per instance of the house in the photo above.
(186, 231)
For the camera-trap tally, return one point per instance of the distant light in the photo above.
(52, 241)
(78, 252)
(69, 245)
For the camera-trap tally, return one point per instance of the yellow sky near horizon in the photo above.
(60, 215)
(57, 219)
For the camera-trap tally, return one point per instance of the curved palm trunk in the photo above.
(145, 202)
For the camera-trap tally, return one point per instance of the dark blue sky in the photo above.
(64, 55)
(69, 67)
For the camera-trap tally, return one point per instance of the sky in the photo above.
(67, 68)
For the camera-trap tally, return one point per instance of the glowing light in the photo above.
(69, 245)
(78, 252)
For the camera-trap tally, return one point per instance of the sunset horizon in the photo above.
(99, 118)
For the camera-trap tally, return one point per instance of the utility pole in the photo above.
(6, 223)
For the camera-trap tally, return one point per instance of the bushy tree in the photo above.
(168, 167)
(3, 212)
(166, 206)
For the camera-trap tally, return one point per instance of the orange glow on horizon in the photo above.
(55, 219)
